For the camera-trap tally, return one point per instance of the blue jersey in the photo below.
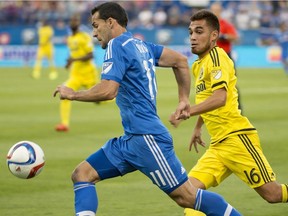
(283, 42)
(131, 62)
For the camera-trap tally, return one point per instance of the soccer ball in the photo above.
(25, 159)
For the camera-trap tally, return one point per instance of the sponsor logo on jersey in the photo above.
(200, 87)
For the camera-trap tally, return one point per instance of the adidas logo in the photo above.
(183, 170)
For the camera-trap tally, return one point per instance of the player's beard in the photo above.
(201, 51)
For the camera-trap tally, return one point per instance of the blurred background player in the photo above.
(45, 50)
(228, 35)
(282, 38)
(83, 71)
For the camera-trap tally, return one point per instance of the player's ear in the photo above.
(214, 35)
(110, 22)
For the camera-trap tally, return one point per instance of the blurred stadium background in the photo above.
(162, 22)
(29, 112)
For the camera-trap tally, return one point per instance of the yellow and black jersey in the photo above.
(45, 34)
(80, 44)
(214, 71)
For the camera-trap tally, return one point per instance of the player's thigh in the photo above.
(154, 156)
(209, 170)
(104, 165)
(243, 155)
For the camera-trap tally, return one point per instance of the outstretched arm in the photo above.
(105, 90)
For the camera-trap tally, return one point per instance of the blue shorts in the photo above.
(153, 155)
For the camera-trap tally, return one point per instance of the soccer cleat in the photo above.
(61, 128)
(53, 75)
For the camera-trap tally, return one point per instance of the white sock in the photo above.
(85, 213)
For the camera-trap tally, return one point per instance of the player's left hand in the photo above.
(196, 140)
(64, 92)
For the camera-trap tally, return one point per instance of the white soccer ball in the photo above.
(25, 159)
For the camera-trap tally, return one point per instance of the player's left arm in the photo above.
(180, 67)
(105, 90)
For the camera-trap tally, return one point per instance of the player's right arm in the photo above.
(180, 67)
(105, 90)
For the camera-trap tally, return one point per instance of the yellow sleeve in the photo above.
(88, 45)
(219, 73)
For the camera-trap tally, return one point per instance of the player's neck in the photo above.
(202, 55)
(75, 32)
(119, 31)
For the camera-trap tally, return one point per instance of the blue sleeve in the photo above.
(114, 66)
(157, 51)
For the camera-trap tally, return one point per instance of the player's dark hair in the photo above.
(113, 10)
(211, 19)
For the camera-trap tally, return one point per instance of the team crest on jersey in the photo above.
(201, 74)
(106, 67)
(217, 74)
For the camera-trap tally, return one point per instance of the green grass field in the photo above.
(29, 112)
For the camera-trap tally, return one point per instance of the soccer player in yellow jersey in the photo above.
(235, 146)
(45, 50)
(83, 71)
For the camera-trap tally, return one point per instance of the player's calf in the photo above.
(273, 192)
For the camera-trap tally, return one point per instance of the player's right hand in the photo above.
(175, 122)
(64, 92)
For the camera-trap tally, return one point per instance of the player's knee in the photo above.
(184, 200)
(75, 177)
(184, 195)
(82, 174)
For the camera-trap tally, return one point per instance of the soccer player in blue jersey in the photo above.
(282, 38)
(128, 74)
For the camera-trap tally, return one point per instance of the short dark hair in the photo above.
(113, 10)
(211, 19)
